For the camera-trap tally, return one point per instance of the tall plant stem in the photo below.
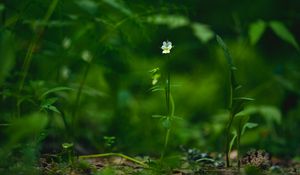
(238, 145)
(79, 92)
(231, 116)
(227, 151)
(168, 92)
(170, 111)
(31, 49)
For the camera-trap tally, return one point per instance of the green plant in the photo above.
(28, 58)
(166, 120)
(109, 141)
(237, 117)
(88, 58)
(240, 124)
(68, 149)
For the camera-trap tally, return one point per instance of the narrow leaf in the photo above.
(270, 113)
(243, 99)
(158, 116)
(232, 140)
(226, 51)
(48, 102)
(88, 5)
(7, 54)
(232, 68)
(54, 109)
(26, 127)
(256, 30)
(118, 4)
(55, 90)
(172, 21)
(202, 32)
(249, 126)
(283, 32)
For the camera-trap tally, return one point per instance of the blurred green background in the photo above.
(108, 47)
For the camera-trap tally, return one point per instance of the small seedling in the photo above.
(238, 118)
(109, 141)
(68, 150)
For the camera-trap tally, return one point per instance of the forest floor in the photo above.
(190, 164)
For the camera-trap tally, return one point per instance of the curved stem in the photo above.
(166, 144)
(172, 105)
(29, 54)
(230, 120)
(79, 92)
(170, 112)
(114, 154)
(228, 140)
(238, 145)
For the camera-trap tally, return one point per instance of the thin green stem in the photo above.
(169, 94)
(34, 43)
(172, 105)
(170, 111)
(114, 154)
(79, 92)
(230, 120)
(165, 144)
(227, 151)
(238, 145)
(29, 54)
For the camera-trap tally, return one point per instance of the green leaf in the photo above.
(256, 30)
(7, 54)
(226, 51)
(282, 32)
(52, 23)
(248, 125)
(158, 116)
(202, 32)
(67, 145)
(118, 4)
(240, 120)
(166, 123)
(54, 109)
(176, 117)
(48, 101)
(55, 90)
(232, 140)
(270, 113)
(48, 105)
(26, 127)
(172, 21)
(243, 99)
(248, 111)
(87, 5)
(238, 104)
(156, 88)
(232, 68)
(2, 7)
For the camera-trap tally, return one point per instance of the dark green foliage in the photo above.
(77, 72)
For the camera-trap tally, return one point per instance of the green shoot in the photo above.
(235, 106)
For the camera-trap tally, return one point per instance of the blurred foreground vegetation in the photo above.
(78, 71)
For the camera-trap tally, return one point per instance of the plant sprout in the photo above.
(237, 117)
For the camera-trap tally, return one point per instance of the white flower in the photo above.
(66, 43)
(65, 72)
(166, 47)
(86, 56)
